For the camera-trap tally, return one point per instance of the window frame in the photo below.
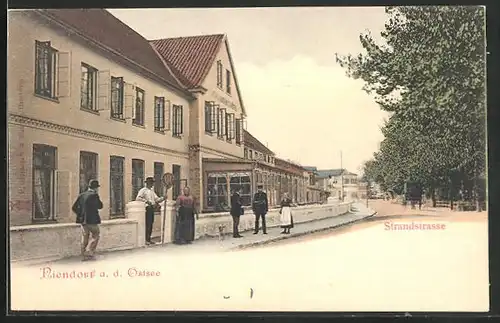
(176, 187)
(159, 118)
(51, 168)
(87, 175)
(50, 92)
(113, 176)
(177, 121)
(139, 109)
(219, 74)
(228, 81)
(135, 176)
(210, 117)
(92, 98)
(117, 108)
(159, 187)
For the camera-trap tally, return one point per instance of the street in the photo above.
(359, 267)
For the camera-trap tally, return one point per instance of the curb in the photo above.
(295, 235)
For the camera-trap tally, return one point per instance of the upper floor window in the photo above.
(117, 98)
(228, 81)
(138, 118)
(238, 131)
(88, 87)
(250, 154)
(159, 113)
(45, 69)
(177, 127)
(245, 153)
(230, 126)
(210, 116)
(219, 74)
(221, 123)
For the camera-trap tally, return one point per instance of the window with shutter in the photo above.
(45, 69)
(210, 117)
(158, 173)
(88, 169)
(177, 129)
(138, 118)
(116, 186)
(137, 177)
(117, 98)
(238, 131)
(88, 87)
(222, 123)
(43, 172)
(159, 114)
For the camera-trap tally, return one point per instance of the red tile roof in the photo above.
(190, 58)
(254, 143)
(102, 27)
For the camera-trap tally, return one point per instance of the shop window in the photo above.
(217, 194)
(242, 180)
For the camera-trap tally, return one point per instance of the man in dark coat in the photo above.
(236, 212)
(260, 207)
(86, 208)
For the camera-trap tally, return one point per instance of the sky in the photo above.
(298, 99)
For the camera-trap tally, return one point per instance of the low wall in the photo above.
(208, 224)
(55, 241)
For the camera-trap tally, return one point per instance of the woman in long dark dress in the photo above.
(185, 221)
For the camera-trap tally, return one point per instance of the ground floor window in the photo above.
(116, 185)
(44, 169)
(137, 177)
(221, 185)
(242, 180)
(217, 192)
(88, 169)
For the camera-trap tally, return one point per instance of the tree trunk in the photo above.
(433, 196)
(475, 194)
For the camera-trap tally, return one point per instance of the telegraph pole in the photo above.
(341, 178)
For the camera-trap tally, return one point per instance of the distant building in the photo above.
(316, 191)
(333, 180)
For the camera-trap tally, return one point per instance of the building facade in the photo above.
(84, 105)
(217, 114)
(337, 180)
(89, 98)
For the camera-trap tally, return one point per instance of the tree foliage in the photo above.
(428, 71)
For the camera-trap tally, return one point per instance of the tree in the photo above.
(429, 73)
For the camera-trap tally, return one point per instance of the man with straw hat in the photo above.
(148, 196)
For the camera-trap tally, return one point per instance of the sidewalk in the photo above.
(207, 245)
(359, 212)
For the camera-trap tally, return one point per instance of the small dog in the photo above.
(220, 234)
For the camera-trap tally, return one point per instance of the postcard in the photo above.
(290, 159)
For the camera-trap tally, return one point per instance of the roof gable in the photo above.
(105, 29)
(190, 58)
